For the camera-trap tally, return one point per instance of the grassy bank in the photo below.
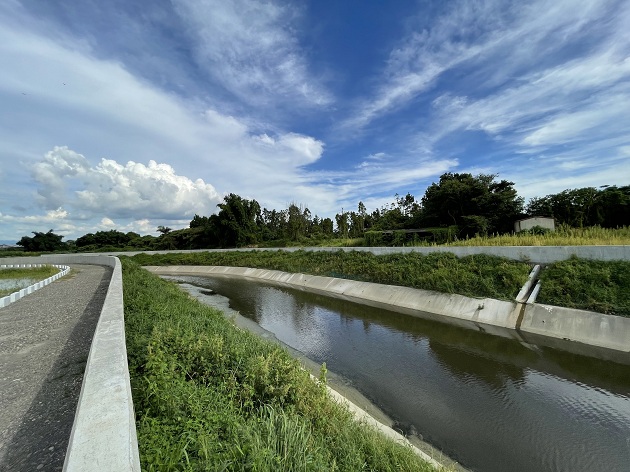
(562, 236)
(208, 396)
(601, 286)
(475, 276)
(35, 274)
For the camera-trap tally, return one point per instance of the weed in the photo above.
(208, 396)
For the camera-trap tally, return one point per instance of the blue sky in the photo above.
(129, 115)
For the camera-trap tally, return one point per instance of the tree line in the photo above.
(459, 205)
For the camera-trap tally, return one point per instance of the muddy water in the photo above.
(492, 404)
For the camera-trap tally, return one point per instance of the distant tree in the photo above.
(342, 221)
(164, 229)
(298, 222)
(458, 197)
(199, 221)
(327, 227)
(237, 221)
(42, 242)
(111, 238)
(614, 205)
(586, 206)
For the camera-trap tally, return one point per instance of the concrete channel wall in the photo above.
(502, 318)
(103, 435)
(534, 254)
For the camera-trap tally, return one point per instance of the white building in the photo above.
(529, 223)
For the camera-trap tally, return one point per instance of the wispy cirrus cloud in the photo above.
(251, 48)
(547, 84)
(487, 45)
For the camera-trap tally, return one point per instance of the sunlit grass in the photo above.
(601, 286)
(208, 396)
(563, 236)
(476, 275)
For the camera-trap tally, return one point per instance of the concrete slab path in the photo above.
(44, 344)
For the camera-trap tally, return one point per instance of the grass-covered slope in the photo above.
(602, 286)
(475, 276)
(208, 396)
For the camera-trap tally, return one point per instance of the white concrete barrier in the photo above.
(15, 296)
(103, 435)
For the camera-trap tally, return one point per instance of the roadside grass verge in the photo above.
(474, 276)
(602, 286)
(208, 396)
(33, 274)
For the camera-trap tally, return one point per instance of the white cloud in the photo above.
(133, 189)
(493, 42)
(251, 48)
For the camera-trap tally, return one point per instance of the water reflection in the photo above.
(492, 403)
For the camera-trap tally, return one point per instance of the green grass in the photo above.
(562, 236)
(208, 396)
(34, 273)
(602, 286)
(475, 276)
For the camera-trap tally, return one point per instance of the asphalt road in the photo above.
(45, 340)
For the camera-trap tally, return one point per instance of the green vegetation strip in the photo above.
(601, 286)
(33, 273)
(208, 396)
(474, 276)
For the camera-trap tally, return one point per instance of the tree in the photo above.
(106, 238)
(586, 206)
(298, 222)
(42, 242)
(237, 221)
(342, 224)
(459, 196)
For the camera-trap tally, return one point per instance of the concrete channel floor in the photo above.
(45, 340)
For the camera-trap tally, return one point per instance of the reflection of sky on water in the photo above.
(489, 402)
(15, 284)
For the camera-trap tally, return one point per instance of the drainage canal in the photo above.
(491, 403)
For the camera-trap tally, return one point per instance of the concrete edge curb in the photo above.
(103, 436)
(533, 254)
(15, 296)
(362, 416)
(500, 318)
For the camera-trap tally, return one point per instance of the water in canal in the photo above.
(490, 403)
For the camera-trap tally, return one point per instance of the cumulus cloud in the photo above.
(132, 190)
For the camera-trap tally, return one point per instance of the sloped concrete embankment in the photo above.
(534, 254)
(103, 435)
(531, 323)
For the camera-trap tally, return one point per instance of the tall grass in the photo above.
(602, 286)
(208, 396)
(476, 275)
(562, 236)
